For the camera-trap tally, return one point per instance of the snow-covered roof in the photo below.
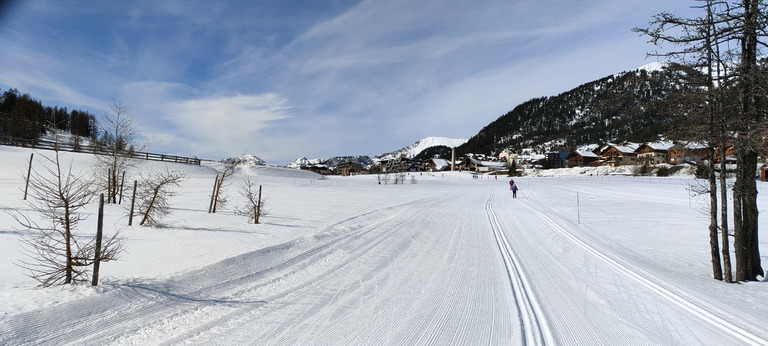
(441, 163)
(623, 148)
(694, 146)
(586, 153)
(660, 145)
(489, 163)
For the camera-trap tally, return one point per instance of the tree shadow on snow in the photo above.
(151, 293)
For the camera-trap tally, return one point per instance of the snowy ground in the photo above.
(448, 260)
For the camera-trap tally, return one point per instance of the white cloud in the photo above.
(183, 120)
(240, 115)
(226, 124)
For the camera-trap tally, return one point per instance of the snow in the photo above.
(246, 159)
(660, 145)
(654, 66)
(586, 153)
(304, 162)
(416, 148)
(577, 258)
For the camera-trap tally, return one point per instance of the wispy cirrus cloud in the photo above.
(176, 115)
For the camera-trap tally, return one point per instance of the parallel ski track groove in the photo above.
(533, 324)
(658, 289)
(357, 253)
(103, 326)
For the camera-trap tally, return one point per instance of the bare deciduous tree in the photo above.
(155, 188)
(255, 206)
(56, 253)
(120, 134)
(733, 109)
(220, 197)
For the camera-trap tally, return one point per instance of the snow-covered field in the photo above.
(345, 261)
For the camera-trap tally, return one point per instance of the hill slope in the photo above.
(413, 150)
(626, 106)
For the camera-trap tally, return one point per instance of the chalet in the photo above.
(653, 153)
(581, 158)
(474, 164)
(508, 155)
(437, 165)
(349, 168)
(318, 168)
(730, 155)
(688, 152)
(617, 155)
(400, 164)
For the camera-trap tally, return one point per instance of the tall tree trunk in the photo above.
(746, 236)
(97, 249)
(725, 247)
(745, 218)
(714, 246)
(68, 239)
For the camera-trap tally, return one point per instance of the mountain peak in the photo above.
(425, 143)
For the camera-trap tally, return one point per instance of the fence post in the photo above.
(97, 252)
(258, 207)
(109, 185)
(122, 183)
(133, 202)
(213, 193)
(218, 189)
(578, 209)
(29, 172)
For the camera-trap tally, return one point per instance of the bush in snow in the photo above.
(57, 255)
(255, 206)
(155, 188)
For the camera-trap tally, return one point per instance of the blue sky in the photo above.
(281, 79)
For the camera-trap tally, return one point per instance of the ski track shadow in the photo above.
(202, 229)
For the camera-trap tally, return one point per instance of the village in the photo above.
(609, 154)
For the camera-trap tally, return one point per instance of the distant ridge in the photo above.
(412, 150)
(628, 106)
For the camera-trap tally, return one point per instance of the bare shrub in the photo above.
(55, 254)
(255, 205)
(220, 197)
(154, 191)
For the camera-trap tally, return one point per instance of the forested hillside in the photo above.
(627, 106)
(24, 118)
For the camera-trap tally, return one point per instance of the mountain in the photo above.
(627, 106)
(363, 160)
(246, 160)
(412, 150)
(304, 162)
(428, 147)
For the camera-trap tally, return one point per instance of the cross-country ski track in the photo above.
(448, 260)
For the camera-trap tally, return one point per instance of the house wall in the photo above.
(652, 158)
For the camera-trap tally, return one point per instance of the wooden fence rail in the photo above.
(46, 144)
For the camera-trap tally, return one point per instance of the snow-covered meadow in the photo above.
(575, 259)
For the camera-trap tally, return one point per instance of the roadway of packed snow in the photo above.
(448, 259)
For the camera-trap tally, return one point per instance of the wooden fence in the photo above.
(47, 144)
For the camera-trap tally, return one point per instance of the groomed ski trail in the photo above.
(533, 323)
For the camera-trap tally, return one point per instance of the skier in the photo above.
(514, 190)
(511, 183)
